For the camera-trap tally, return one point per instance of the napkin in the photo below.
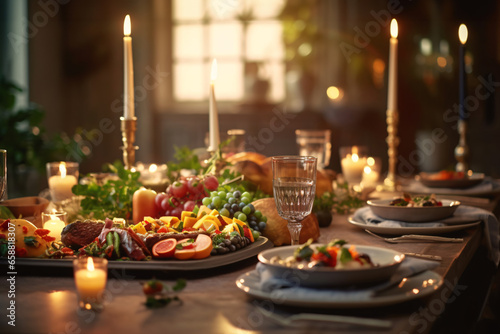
(281, 288)
(487, 185)
(463, 214)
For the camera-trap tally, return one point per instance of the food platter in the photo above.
(255, 248)
(383, 209)
(387, 262)
(431, 181)
(421, 228)
(410, 288)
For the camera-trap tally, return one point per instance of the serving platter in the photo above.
(431, 181)
(383, 209)
(261, 244)
(386, 260)
(410, 288)
(417, 228)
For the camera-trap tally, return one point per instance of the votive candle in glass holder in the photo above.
(91, 274)
(54, 222)
(62, 176)
(353, 161)
(371, 173)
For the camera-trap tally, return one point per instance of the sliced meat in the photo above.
(81, 233)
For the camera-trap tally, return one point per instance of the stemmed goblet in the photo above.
(294, 184)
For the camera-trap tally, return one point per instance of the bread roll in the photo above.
(277, 229)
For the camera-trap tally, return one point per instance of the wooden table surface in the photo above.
(46, 302)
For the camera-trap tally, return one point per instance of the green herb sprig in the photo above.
(112, 199)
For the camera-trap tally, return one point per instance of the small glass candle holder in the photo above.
(62, 176)
(371, 172)
(54, 222)
(315, 143)
(153, 176)
(353, 161)
(91, 274)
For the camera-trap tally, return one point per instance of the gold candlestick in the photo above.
(462, 150)
(128, 128)
(393, 143)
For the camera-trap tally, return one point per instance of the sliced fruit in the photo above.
(184, 253)
(201, 222)
(186, 214)
(169, 220)
(210, 226)
(248, 233)
(203, 246)
(204, 210)
(239, 222)
(164, 248)
(214, 212)
(190, 221)
(227, 220)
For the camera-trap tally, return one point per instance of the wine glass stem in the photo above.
(294, 228)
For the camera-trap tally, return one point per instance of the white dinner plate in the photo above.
(414, 287)
(382, 208)
(430, 230)
(386, 262)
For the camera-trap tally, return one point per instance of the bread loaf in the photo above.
(277, 229)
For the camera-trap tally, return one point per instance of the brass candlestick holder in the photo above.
(128, 128)
(462, 150)
(393, 143)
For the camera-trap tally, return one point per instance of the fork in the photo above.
(288, 321)
(413, 237)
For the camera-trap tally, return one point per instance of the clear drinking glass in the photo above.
(3, 172)
(315, 143)
(294, 184)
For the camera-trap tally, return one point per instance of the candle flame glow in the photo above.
(62, 169)
(394, 28)
(367, 170)
(153, 168)
(90, 264)
(214, 70)
(370, 161)
(355, 157)
(127, 29)
(463, 33)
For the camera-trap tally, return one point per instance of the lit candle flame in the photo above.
(90, 264)
(153, 168)
(370, 161)
(367, 170)
(355, 157)
(394, 28)
(126, 26)
(214, 70)
(463, 33)
(62, 169)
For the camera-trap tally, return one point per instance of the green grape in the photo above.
(216, 201)
(222, 194)
(257, 214)
(224, 212)
(242, 217)
(206, 201)
(231, 200)
(264, 219)
(237, 213)
(246, 210)
(246, 194)
(245, 200)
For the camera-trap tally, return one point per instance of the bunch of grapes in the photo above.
(238, 205)
(184, 194)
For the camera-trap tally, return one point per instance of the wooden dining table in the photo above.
(46, 301)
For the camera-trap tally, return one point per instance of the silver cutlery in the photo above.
(289, 321)
(415, 237)
(425, 256)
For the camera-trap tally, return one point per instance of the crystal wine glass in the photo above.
(3, 172)
(294, 184)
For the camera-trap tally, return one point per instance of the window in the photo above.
(245, 36)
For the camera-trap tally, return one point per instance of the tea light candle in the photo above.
(370, 177)
(90, 282)
(55, 225)
(60, 185)
(352, 166)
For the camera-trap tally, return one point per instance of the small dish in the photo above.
(434, 180)
(386, 260)
(383, 209)
(25, 207)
